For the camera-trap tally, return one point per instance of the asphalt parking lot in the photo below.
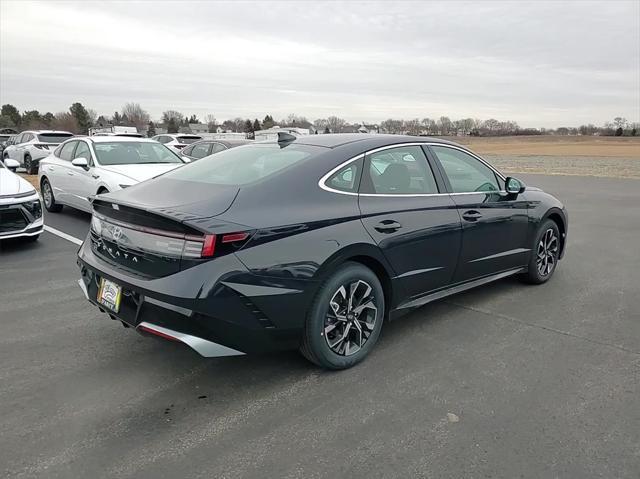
(505, 381)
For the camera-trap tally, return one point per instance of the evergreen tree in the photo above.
(256, 125)
(82, 117)
(12, 113)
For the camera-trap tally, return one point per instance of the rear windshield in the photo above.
(53, 137)
(245, 164)
(187, 140)
(133, 152)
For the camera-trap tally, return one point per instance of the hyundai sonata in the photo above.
(86, 166)
(312, 242)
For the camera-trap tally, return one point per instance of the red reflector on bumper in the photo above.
(233, 237)
(157, 333)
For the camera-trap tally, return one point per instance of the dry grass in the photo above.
(591, 146)
(616, 157)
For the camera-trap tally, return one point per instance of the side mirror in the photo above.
(513, 186)
(80, 162)
(11, 164)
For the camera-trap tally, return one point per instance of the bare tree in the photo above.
(66, 121)
(392, 126)
(211, 122)
(335, 124)
(320, 123)
(136, 115)
(174, 115)
(620, 122)
(92, 115)
(412, 126)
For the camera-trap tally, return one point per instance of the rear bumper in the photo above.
(217, 308)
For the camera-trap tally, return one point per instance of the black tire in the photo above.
(545, 252)
(30, 165)
(48, 197)
(321, 343)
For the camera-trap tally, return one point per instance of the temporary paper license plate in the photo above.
(109, 294)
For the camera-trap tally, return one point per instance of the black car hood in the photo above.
(180, 200)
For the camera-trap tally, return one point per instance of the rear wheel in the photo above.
(544, 253)
(47, 195)
(30, 165)
(345, 318)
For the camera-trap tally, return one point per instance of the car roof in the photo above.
(334, 140)
(110, 138)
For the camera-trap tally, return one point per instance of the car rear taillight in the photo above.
(166, 243)
(42, 147)
(179, 147)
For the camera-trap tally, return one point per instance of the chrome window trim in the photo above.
(325, 178)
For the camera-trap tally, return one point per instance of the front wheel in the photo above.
(544, 254)
(345, 318)
(49, 200)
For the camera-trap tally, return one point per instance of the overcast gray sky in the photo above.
(538, 63)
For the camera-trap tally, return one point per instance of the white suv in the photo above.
(29, 147)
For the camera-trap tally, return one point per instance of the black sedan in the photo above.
(312, 242)
(200, 149)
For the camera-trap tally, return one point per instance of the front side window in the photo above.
(403, 170)
(66, 152)
(82, 151)
(245, 164)
(133, 152)
(466, 174)
(200, 151)
(346, 179)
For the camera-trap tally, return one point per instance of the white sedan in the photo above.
(20, 206)
(85, 166)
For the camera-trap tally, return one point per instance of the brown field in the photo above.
(592, 146)
(616, 157)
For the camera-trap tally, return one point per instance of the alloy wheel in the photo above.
(47, 194)
(547, 252)
(351, 318)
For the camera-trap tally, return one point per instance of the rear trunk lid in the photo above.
(159, 228)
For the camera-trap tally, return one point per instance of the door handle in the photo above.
(70, 173)
(387, 226)
(471, 215)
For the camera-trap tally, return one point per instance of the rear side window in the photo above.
(465, 173)
(346, 179)
(53, 137)
(66, 152)
(200, 151)
(245, 164)
(403, 170)
(217, 148)
(187, 140)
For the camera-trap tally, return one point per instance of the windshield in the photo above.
(131, 152)
(187, 140)
(245, 164)
(53, 137)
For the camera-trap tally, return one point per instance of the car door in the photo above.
(494, 223)
(61, 178)
(83, 182)
(14, 151)
(410, 217)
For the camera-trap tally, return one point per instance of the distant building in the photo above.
(198, 128)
